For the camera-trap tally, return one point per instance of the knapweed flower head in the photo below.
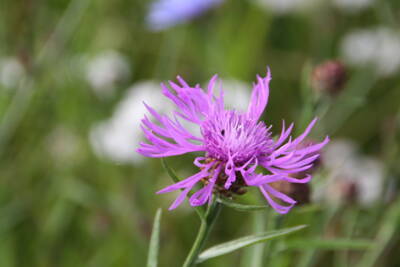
(234, 144)
(167, 13)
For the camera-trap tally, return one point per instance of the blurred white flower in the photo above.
(351, 176)
(352, 5)
(339, 152)
(118, 137)
(370, 176)
(286, 6)
(11, 72)
(378, 47)
(237, 94)
(105, 70)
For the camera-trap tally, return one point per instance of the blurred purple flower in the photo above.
(167, 13)
(234, 142)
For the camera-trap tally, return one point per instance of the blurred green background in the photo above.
(74, 193)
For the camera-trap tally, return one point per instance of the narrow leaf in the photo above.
(246, 241)
(199, 209)
(154, 241)
(330, 244)
(248, 208)
(241, 207)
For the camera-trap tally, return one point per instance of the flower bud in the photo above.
(329, 77)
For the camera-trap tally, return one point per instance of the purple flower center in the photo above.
(229, 135)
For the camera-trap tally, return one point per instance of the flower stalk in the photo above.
(206, 225)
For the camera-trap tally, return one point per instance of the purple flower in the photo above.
(166, 13)
(235, 144)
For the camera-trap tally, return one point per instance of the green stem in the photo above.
(205, 227)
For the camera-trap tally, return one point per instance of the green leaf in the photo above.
(330, 244)
(248, 208)
(246, 241)
(199, 209)
(241, 207)
(154, 241)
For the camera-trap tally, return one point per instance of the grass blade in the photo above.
(241, 207)
(246, 241)
(154, 241)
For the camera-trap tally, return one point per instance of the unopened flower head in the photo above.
(329, 77)
(234, 144)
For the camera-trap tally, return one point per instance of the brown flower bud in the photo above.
(329, 77)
